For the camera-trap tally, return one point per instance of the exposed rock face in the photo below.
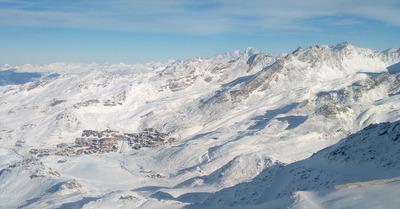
(69, 186)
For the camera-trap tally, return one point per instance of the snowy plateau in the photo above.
(315, 128)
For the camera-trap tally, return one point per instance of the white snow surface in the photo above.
(376, 196)
(253, 130)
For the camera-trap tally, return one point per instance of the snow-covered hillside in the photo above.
(371, 154)
(239, 129)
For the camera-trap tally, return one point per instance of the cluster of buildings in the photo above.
(106, 141)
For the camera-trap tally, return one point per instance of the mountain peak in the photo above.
(250, 51)
(299, 49)
(340, 46)
(335, 47)
(392, 50)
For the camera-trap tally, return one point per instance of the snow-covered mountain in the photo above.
(239, 129)
(370, 154)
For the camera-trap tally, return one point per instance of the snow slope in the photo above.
(241, 122)
(371, 154)
(377, 196)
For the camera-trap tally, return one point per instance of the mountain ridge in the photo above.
(233, 120)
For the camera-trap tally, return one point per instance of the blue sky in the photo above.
(137, 31)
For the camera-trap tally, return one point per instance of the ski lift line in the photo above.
(122, 146)
(13, 150)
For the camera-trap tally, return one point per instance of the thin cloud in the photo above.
(342, 21)
(192, 17)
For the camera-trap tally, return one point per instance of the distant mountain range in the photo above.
(243, 129)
